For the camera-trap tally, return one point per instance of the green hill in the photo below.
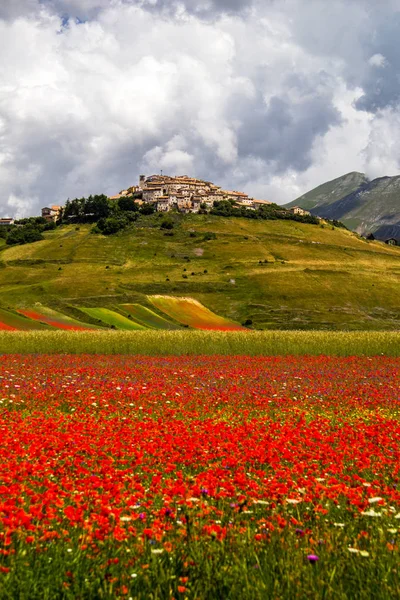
(362, 205)
(328, 193)
(277, 274)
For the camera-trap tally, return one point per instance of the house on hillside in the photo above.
(187, 194)
(6, 221)
(163, 204)
(370, 237)
(392, 242)
(297, 210)
(51, 213)
(259, 203)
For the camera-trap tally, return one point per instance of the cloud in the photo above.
(269, 97)
(12, 9)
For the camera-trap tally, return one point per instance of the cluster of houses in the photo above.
(187, 194)
(50, 213)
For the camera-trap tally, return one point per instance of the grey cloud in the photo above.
(381, 83)
(283, 130)
(199, 8)
(244, 98)
(353, 32)
(12, 9)
(85, 9)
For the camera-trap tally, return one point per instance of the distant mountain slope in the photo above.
(373, 206)
(330, 192)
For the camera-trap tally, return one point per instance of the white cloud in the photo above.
(267, 101)
(377, 60)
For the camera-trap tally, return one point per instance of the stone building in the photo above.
(297, 210)
(185, 193)
(51, 213)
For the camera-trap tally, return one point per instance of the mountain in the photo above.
(278, 274)
(362, 205)
(330, 192)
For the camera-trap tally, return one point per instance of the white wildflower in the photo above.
(371, 513)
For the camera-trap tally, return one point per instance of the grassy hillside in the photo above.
(279, 274)
(330, 192)
(363, 206)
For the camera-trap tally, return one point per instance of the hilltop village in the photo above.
(164, 193)
(153, 194)
(187, 194)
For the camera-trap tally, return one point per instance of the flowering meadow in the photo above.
(199, 477)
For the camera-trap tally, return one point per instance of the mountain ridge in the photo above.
(363, 205)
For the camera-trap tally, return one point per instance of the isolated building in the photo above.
(297, 210)
(51, 213)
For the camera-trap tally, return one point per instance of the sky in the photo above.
(270, 97)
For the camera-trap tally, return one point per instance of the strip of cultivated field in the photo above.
(112, 318)
(189, 311)
(54, 319)
(10, 321)
(147, 317)
(163, 343)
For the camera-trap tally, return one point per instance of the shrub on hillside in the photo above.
(127, 204)
(112, 225)
(147, 209)
(167, 224)
(23, 235)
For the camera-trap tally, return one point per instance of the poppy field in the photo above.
(199, 477)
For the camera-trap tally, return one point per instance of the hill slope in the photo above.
(279, 274)
(362, 205)
(329, 193)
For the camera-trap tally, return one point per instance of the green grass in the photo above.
(146, 317)
(192, 313)
(110, 317)
(279, 274)
(162, 343)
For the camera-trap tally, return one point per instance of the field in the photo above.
(190, 342)
(53, 318)
(147, 317)
(199, 477)
(110, 317)
(192, 313)
(278, 274)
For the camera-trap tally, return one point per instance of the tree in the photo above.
(126, 203)
(24, 235)
(147, 209)
(97, 207)
(112, 225)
